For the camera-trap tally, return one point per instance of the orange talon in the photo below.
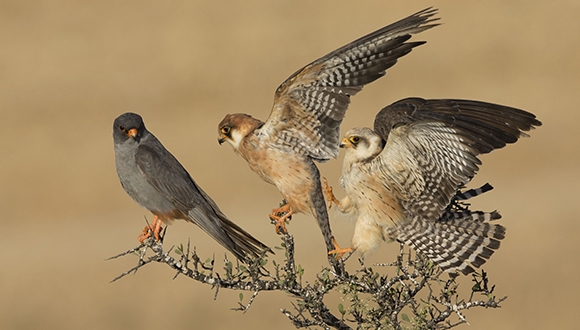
(327, 190)
(157, 229)
(153, 229)
(338, 250)
(279, 216)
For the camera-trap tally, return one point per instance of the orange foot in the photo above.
(279, 216)
(154, 229)
(327, 190)
(338, 250)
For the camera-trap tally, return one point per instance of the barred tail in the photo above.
(470, 216)
(462, 196)
(458, 210)
(454, 245)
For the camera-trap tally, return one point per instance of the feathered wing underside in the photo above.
(438, 142)
(425, 163)
(491, 126)
(169, 177)
(311, 104)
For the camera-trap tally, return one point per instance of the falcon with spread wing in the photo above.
(400, 178)
(308, 109)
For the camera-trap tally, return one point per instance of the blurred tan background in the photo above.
(67, 69)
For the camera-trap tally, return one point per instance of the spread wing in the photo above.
(491, 125)
(432, 147)
(311, 104)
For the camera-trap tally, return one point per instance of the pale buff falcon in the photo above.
(304, 122)
(400, 178)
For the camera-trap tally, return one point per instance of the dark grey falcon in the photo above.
(156, 180)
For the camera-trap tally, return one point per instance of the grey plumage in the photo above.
(156, 180)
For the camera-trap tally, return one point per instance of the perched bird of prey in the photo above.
(157, 181)
(308, 109)
(400, 178)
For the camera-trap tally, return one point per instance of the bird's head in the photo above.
(128, 126)
(361, 144)
(233, 128)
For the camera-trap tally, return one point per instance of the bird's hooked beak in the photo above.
(222, 139)
(132, 133)
(345, 143)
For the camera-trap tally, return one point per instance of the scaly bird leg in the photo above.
(153, 229)
(279, 216)
(157, 229)
(330, 198)
(338, 250)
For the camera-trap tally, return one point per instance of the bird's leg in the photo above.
(330, 198)
(145, 234)
(338, 250)
(153, 229)
(279, 217)
(157, 227)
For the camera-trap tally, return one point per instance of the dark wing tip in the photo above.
(490, 126)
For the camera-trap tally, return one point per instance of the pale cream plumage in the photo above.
(400, 178)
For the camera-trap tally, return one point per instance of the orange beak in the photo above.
(132, 133)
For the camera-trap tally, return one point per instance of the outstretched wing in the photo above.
(432, 147)
(310, 105)
(491, 125)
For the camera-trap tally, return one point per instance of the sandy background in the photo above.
(68, 69)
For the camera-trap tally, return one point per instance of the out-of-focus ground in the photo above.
(67, 69)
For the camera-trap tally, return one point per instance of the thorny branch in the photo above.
(413, 296)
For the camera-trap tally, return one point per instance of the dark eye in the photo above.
(226, 130)
(122, 128)
(355, 139)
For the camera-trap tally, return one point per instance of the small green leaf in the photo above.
(405, 317)
(179, 250)
(241, 296)
(341, 309)
(208, 260)
(300, 270)
(277, 247)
